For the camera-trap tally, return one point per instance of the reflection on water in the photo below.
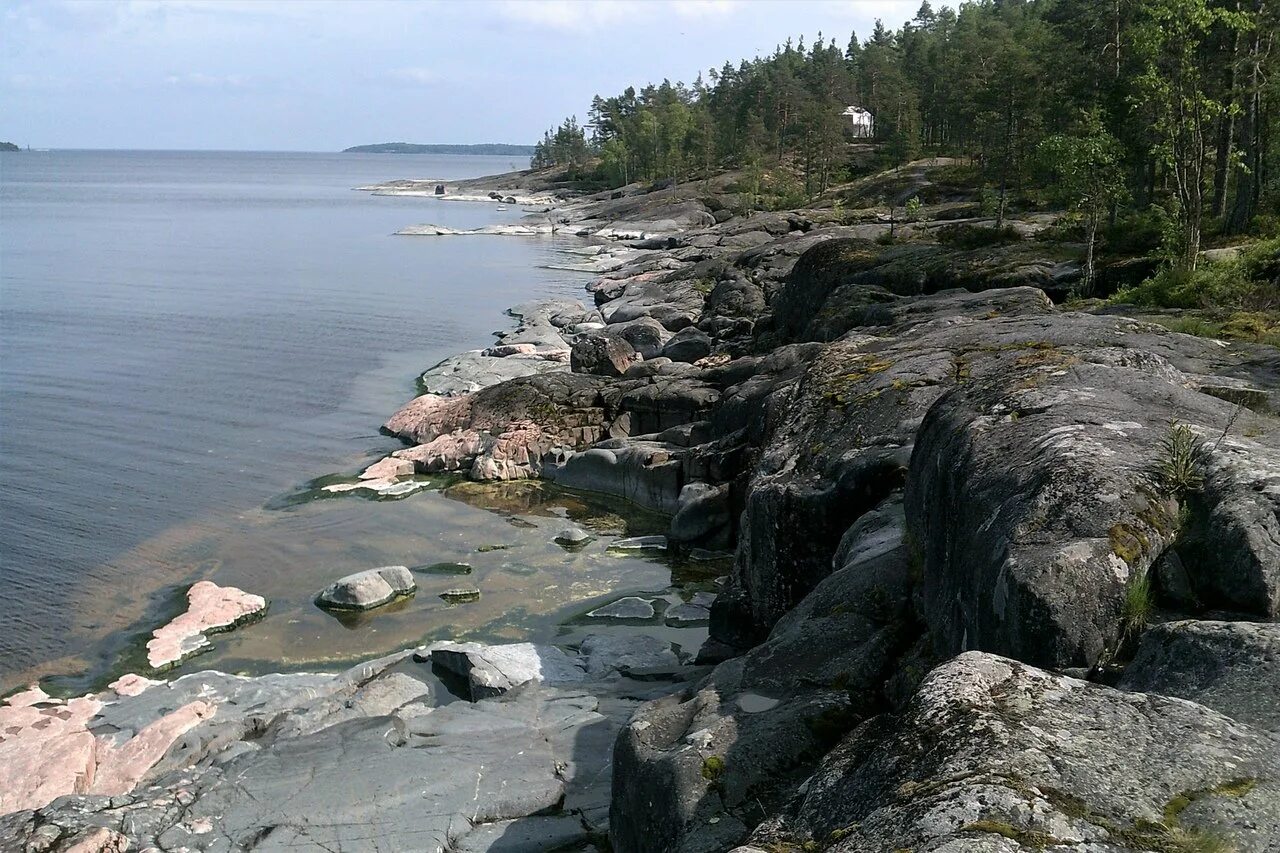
(531, 589)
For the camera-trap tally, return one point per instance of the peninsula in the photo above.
(493, 149)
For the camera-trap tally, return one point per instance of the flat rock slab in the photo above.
(639, 543)
(631, 607)
(494, 670)
(461, 595)
(368, 589)
(606, 654)
(210, 608)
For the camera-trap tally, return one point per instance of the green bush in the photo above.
(965, 236)
(1224, 284)
(1135, 233)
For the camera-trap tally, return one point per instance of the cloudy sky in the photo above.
(321, 75)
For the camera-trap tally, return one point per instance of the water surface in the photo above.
(185, 338)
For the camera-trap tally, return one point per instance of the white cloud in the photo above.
(591, 15)
(196, 80)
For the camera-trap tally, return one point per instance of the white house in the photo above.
(864, 123)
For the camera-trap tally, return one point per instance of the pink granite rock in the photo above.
(504, 350)
(47, 750)
(425, 418)
(387, 469)
(98, 840)
(210, 608)
(452, 452)
(131, 684)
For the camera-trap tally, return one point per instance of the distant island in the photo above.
(9, 146)
(492, 148)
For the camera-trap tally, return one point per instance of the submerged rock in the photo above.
(631, 607)
(573, 537)
(368, 589)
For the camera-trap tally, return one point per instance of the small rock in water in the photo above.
(368, 589)
(639, 543)
(461, 595)
(485, 549)
(631, 607)
(444, 569)
(687, 613)
(573, 537)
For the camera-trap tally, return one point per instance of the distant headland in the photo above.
(9, 146)
(492, 148)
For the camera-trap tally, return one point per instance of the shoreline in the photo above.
(899, 440)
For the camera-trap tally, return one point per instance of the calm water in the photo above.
(187, 337)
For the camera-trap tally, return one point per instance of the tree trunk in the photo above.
(1226, 134)
(1091, 236)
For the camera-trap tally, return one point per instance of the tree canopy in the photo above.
(1184, 90)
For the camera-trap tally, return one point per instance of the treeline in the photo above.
(1132, 102)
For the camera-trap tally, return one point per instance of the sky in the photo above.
(322, 75)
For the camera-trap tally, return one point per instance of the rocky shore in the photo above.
(1006, 576)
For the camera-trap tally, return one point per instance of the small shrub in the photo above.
(1181, 458)
(912, 211)
(713, 768)
(886, 239)
(1137, 605)
(988, 201)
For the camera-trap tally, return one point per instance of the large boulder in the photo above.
(646, 335)
(1232, 667)
(493, 670)
(603, 354)
(696, 771)
(993, 755)
(507, 431)
(688, 344)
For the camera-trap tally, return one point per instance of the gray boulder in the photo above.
(702, 515)
(573, 537)
(1232, 667)
(368, 589)
(646, 473)
(646, 335)
(688, 344)
(602, 354)
(494, 670)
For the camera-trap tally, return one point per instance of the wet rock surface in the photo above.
(380, 757)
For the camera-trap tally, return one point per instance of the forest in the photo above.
(1167, 108)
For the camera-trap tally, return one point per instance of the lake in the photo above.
(187, 339)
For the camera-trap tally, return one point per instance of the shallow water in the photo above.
(187, 339)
